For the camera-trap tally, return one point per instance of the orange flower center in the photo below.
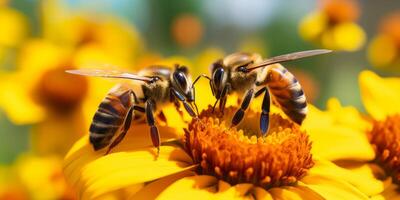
(385, 139)
(341, 10)
(241, 155)
(391, 27)
(59, 90)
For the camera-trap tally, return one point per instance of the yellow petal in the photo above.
(13, 27)
(348, 116)
(57, 133)
(261, 193)
(94, 174)
(316, 117)
(340, 143)
(208, 187)
(392, 193)
(253, 44)
(153, 189)
(92, 55)
(380, 96)
(239, 191)
(348, 36)
(38, 56)
(173, 60)
(361, 177)
(205, 59)
(194, 187)
(382, 51)
(312, 26)
(123, 193)
(204, 96)
(294, 192)
(331, 188)
(338, 133)
(17, 103)
(41, 176)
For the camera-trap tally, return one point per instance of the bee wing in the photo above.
(108, 73)
(290, 57)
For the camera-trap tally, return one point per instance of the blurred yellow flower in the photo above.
(9, 186)
(13, 27)
(32, 177)
(36, 58)
(93, 38)
(132, 171)
(13, 31)
(205, 58)
(253, 44)
(41, 93)
(384, 49)
(333, 26)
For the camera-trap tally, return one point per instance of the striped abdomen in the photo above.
(287, 91)
(109, 117)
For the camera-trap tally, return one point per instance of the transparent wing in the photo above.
(290, 57)
(106, 73)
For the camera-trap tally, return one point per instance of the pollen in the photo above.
(385, 139)
(242, 155)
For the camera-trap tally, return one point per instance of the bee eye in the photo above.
(181, 80)
(242, 69)
(155, 79)
(218, 76)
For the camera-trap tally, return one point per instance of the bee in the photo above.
(151, 89)
(249, 75)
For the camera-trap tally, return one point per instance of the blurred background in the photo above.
(44, 110)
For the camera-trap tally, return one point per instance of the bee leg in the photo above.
(222, 101)
(155, 136)
(260, 92)
(215, 104)
(243, 107)
(194, 89)
(127, 125)
(194, 100)
(264, 118)
(187, 106)
(177, 105)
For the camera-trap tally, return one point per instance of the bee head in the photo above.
(239, 62)
(182, 82)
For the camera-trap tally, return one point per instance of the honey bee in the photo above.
(249, 74)
(150, 89)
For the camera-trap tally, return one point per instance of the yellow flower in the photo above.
(211, 161)
(93, 38)
(381, 100)
(203, 60)
(40, 92)
(33, 177)
(13, 31)
(36, 58)
(333, 26)
(9, 186)
(383, 50)
(368, 145)
(13, 27)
